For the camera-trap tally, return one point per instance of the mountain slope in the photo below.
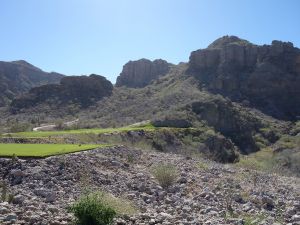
(18, 77)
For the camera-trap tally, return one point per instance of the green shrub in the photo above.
(92, 209)
(166, 174)
(59, 125)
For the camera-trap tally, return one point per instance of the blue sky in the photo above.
(77, 37)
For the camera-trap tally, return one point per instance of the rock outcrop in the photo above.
(137, 74)
(233, 122)
(82, 90)
(18, 77)
(268, 76)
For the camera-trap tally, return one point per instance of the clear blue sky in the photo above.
(93, 36)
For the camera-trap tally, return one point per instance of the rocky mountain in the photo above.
(265, 77)
(18, 77)
(82, 90)
(212, 141)
(137, 74)
(247, 94)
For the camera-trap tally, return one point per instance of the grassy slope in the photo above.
(42, 150)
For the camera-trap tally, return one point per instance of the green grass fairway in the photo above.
(42, 150)
(36, 134)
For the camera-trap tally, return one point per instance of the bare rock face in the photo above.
(267, 76)
(137, 74)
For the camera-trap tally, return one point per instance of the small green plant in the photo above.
(4, 191)
(14, 158)
(253, 220)
(62, 162)
(228, 203)
(92, 209)
(6, 196)
(229, 190)
(130, 159)
(202, 165)
(166, 174)
(10, 198)
(85, 180)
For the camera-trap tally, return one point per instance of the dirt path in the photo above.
(52, 126)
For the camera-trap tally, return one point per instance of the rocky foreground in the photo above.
(205, 192)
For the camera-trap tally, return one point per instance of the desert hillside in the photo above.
(215, 140)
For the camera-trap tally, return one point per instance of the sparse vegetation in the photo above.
(285, 162)
(4, 191)
(202, 165)
(166, 174)
(93, 210)
(100, 208)
(20, 127)
(59, 125)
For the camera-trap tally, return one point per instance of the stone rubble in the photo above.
(205, 192)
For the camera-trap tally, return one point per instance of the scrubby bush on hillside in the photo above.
(166, 174)
(59, 125)
(93, 210)
(19, 127)
(100, 208)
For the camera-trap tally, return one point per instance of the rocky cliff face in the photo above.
(232, 121)
(82, 90)
(18, 77)
(266, 77)
(137, 74)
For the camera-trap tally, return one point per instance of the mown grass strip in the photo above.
(36, 134)
(43, 150)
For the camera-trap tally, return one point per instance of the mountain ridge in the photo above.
(191, 93)
(18, 77)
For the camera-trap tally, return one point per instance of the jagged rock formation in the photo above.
(18, 77)
(82, 90)
(137, 74)
(267, 77)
